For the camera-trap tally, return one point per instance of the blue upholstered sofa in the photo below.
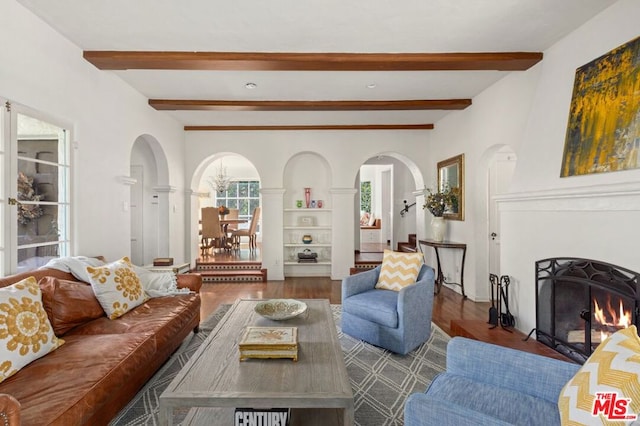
(486, 384)
(399, 321)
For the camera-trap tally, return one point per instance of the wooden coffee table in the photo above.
(214, 382)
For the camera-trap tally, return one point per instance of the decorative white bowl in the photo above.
(280, 309)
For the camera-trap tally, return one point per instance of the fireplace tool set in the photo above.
(500, 296)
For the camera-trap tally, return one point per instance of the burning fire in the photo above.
(613, 321)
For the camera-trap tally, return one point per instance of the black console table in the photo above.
(440, 275)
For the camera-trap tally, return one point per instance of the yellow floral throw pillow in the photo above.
(117, 287)
(606, 389)
(25, 331)
(398, 270)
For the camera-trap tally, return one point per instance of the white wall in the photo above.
(496, 118)
(44, 71)
(526, 111)
(592, 216)
(414, 220)
(345, 152)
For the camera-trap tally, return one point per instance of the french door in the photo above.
(36, 208)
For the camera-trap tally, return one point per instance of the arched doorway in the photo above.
(394, 179)
(242, 191)
(499, 172)
(376, 210)
(494, 173)
(149, 204)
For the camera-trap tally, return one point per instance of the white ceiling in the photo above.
(338, 26)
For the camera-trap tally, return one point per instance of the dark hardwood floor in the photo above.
(447, 305)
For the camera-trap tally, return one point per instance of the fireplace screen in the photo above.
(579, 302)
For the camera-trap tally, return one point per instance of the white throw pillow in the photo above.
(117, 287)
(25, 331)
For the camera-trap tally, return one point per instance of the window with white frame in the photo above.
(243, 195)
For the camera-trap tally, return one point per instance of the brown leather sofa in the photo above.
(103, 363)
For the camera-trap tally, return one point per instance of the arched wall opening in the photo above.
(404, 182)
(495, 172)
(149, 200)
(307, 215)
(278, 194)
(237, 168)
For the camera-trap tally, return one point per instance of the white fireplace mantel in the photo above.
(606, 197)
(592, 222)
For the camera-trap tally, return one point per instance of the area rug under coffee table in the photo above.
(381, 380)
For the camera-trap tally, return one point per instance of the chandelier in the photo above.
(220, 182)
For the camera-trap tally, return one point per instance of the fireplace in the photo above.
(579, 302)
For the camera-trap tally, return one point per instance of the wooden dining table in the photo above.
(224, 227)
(224, 224)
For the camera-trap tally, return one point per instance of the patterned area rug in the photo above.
(381, 380)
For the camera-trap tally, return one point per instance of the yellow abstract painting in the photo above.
(603, 133)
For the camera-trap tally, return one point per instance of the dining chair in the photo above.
(251, 232)
(212, 234)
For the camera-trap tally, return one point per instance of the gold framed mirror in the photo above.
(451, 179)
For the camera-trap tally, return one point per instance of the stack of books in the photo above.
(269, 342)
(163, 261)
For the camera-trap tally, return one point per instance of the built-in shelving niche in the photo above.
(307, 170)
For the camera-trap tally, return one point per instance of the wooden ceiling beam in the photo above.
(315, 127)
(266, 61)
(219, 105)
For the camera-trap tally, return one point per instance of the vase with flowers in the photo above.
(223, 211)
(437, 203)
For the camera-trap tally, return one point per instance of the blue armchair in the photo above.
(397, 321)
(487, 384)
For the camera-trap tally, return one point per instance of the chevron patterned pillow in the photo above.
(607, 386)
(398, 270)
